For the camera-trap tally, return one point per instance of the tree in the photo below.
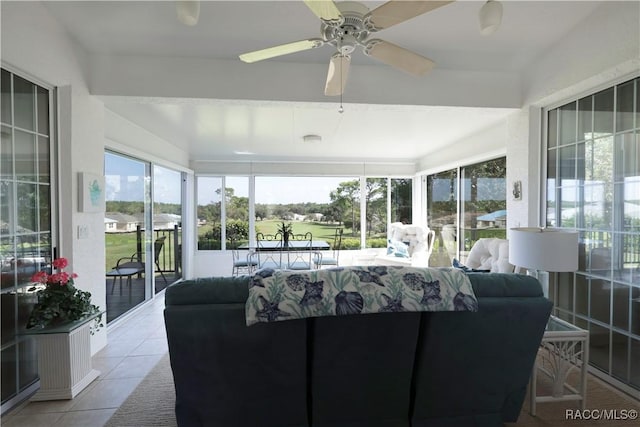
(376, 202)
(346, 200)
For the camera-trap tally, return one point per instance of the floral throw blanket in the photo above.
(276, 295)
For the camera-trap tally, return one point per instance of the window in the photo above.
(478, 193)
(315, 204)
(593, 186)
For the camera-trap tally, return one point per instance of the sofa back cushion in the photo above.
(361, 369)
(226, 372)
(475, 366)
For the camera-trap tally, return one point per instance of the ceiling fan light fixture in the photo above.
(490, 17)
(188, 11)
(312, 138)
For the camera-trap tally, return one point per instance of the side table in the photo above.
(564, 346)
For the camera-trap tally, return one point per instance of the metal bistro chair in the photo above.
(243, 263)
(269, 250)
(333, 260)
(133, 265)
(300, 253)
(158, 244)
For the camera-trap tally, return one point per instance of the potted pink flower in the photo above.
(59, 301)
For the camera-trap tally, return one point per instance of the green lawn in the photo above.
(319, 230)
(118, 245)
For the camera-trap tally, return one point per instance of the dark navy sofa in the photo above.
(374, 370)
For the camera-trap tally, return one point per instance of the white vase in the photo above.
(64, 360)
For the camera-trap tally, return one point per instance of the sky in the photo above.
(124, 181)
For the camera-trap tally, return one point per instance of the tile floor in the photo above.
(135, 345)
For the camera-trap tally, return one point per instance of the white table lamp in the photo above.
(547, 249)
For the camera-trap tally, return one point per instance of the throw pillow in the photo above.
(397, 248)
(456, 264)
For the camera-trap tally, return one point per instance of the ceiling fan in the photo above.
(349, 24)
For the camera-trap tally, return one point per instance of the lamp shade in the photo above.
(490, 17)
(547, 249)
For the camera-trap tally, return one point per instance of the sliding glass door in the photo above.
(26, 232)
(464, 205)
(128, 235)
(167, 226)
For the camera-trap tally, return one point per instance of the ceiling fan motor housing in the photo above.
(351, 31)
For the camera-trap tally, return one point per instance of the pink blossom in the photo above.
(59, 278)
(40, 277)
(60, 263)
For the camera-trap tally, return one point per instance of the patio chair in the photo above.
(132, 265)
(300, 253)
(332, 260)
(244, 262)
(158, 245)
(269, 250)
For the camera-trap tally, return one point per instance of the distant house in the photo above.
(298, 217)
(124, 222)
(166, 221)
(493, 219)
(314, 217)
(110, 225)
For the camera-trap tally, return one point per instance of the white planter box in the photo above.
(64, 361)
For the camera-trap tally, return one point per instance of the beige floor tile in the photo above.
(107, 394)
(105, 364)
(118, 348)
(45, 407)
(134, 367)
(33, 420)
(155, 346)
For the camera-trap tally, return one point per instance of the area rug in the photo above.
(152, 404)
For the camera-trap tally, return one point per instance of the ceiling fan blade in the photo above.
(280, 50)
(324, 9)
(398, 57)
(337, 74)
(395, 12)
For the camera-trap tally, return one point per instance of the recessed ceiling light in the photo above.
(243, 153)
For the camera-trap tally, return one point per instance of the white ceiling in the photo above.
(218, 129)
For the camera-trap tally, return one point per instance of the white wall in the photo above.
(34, 43)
